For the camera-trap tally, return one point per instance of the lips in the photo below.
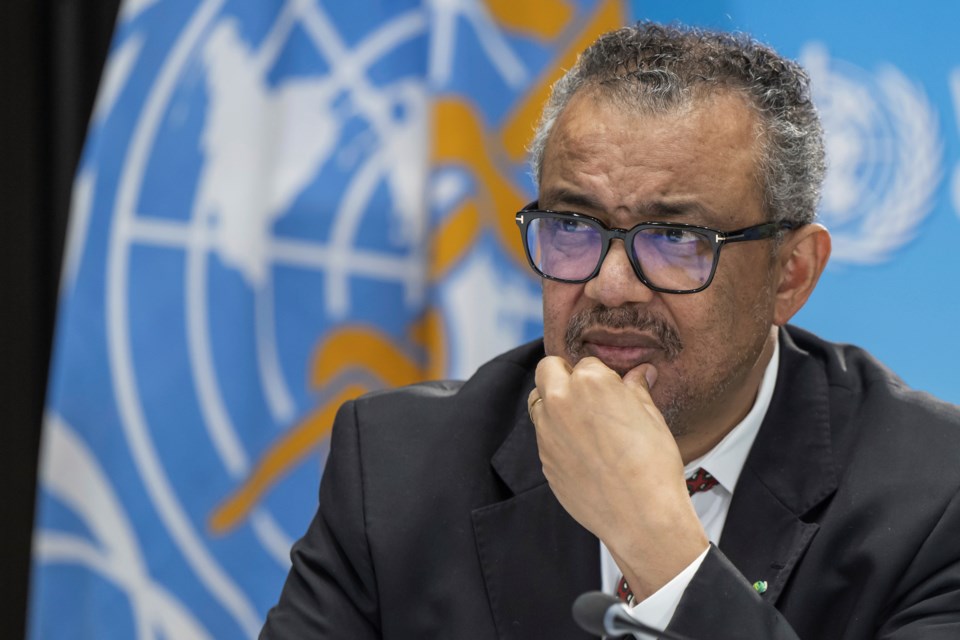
(621, 350)
(621, 337)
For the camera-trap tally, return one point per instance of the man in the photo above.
(824, 498)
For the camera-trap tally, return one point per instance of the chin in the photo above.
(673, 412)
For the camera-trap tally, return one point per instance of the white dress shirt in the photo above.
(724, 462)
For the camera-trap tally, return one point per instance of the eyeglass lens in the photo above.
(669, 257)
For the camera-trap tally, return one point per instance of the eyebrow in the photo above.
(646, 211)
(670, 209)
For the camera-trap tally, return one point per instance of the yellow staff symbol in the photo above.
(459, 138)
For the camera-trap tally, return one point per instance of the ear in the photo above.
(802, 259)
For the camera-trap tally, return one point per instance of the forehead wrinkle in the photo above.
(592, 164)
(561, 198)
(660, 209)
(565, 197)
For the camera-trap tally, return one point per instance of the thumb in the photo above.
(642, 376)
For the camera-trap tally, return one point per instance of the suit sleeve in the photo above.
(331, 591)
(924, 604)
(927, 604)
(719, 603)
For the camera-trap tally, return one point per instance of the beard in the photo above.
(680, 397)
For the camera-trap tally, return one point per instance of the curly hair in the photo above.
(657, 69)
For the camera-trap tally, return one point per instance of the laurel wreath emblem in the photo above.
(891, 206)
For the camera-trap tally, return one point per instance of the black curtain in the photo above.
(52, 55)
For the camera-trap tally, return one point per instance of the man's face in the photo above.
(696, 166)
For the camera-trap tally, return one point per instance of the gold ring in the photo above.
(532, 405)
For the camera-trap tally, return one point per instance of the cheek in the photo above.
(704, 320)
(733, 316)
(559, 303)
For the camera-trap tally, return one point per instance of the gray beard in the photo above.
(679, 410)
(632, 316)
(690, 397)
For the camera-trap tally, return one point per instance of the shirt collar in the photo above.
(725, 461)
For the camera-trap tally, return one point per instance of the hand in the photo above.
(614, 465)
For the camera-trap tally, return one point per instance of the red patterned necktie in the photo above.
(699, 481)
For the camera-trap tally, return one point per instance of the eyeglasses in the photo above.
(669, 258)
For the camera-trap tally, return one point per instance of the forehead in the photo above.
(701, 157)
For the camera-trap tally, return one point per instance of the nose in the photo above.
(617, 283)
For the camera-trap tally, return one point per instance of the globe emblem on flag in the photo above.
(275, 213)
(884, 156)
(244, 187)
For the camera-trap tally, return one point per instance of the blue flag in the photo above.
(280, 205)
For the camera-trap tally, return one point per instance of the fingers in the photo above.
(552, 374)
(644, 375)
(551, 369)
(554, 371)
(556, 381)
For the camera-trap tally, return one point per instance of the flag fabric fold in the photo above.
(280, 206)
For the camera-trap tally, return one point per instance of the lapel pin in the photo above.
(760, 586)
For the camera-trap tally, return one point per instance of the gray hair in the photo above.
(658, 69)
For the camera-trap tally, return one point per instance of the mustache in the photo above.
(630, 316)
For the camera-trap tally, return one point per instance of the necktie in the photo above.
(699, 481)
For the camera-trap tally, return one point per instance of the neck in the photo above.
(706, 430)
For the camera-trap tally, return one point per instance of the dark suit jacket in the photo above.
(435, 519)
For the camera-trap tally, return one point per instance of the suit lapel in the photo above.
(535, 558)
(789, 472)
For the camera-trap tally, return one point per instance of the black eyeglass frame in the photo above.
(716, 238)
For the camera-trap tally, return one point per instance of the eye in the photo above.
(566, 226)
(678, 236)
(569, 225)
(569, 235)
(672, 241)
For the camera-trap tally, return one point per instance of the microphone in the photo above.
(604, 615)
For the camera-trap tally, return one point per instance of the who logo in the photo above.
(281, 205)
(884, 156)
